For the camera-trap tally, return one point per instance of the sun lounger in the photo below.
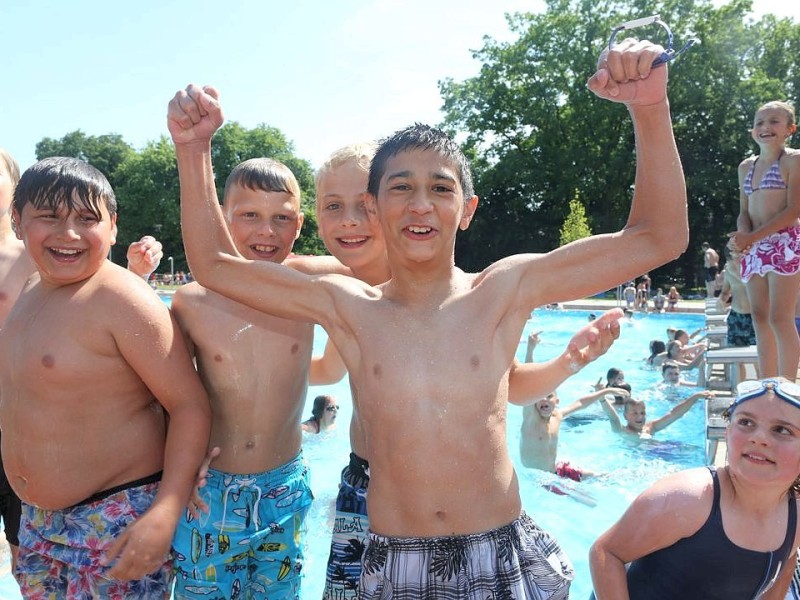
(729, 358)
(719, 319)
(712, 308)
(717, 335)
(715, 426)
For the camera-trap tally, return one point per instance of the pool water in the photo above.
(586, 440)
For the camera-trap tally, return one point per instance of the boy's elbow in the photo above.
(668, 242)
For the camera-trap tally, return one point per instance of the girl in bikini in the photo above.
(768, 238)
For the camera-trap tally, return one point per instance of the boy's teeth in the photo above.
(414, 229)
(352, 240)
(64, 251)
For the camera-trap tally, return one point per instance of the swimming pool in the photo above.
(586, 440)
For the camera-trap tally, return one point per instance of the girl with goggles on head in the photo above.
(671, 542)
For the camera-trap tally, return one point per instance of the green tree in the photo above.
(105, 152)
(536, 135)
(148, 193)
(576, 226)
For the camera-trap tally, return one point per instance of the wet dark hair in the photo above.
(60, 181)
(420, 137)
(622, 386)
(612, 373)
(656, 348)
(320, 402)
(668, 364)
(671, 347)
(679, 333)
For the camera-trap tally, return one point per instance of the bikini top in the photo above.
(772, 179)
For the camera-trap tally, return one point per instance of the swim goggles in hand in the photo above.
(668, 54)
(785, 390)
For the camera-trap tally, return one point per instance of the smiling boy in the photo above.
(635, 414)
(90, 360)
(255, 368)
(429, 351)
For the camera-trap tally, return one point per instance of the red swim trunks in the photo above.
(567, 471)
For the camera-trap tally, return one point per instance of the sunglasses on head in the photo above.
(332, 407)
(785, 390)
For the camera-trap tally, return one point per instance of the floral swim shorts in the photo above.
(60, 550)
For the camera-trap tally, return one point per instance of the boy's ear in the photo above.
(15, 223)
(370, 203)
(300, 218)
(113, 229)
(470, 206)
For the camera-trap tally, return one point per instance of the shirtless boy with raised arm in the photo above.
(541, 425)
(429, 351)
(356, 240)
(90, 360)
(635, 414)
(255, 368)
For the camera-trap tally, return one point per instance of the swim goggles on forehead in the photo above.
(785, 390)
(668, 54)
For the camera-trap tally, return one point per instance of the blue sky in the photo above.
(326, 73)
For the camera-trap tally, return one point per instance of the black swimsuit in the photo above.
(708, 565)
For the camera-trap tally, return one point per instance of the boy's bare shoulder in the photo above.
(122, 291)
(188, 293)
(506, 267)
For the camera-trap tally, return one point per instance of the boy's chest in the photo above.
(432, 356)
(228, 330)
(40, 342)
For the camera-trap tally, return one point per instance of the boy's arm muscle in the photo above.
(328, 368)
(150, 342)
(657, 228)
(317, 265)
(194, 116)
(611, 413)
